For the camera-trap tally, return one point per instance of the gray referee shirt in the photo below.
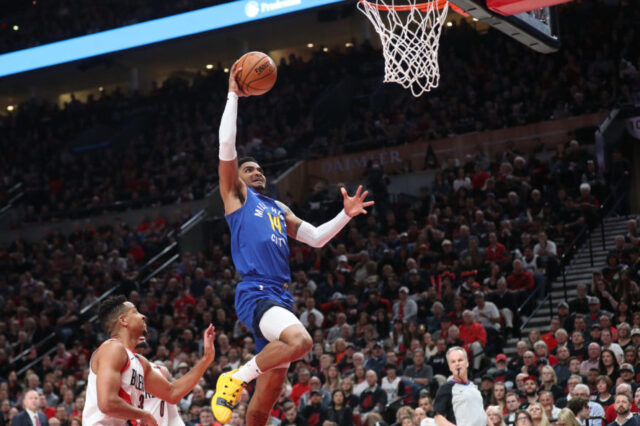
(460, 403)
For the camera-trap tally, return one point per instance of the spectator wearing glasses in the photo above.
(523, 418)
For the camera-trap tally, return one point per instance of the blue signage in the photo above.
(170, 27)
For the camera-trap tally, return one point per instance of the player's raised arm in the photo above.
(319, 236)
(231, 188)
(173, 392)
(110, 361)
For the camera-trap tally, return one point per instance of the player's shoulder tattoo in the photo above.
(283, 206)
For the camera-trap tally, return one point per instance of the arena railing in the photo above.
(84, 313)
(607, 208)
(82, 316)
(16, 193)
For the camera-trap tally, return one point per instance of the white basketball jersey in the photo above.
(165, 414)
(131, 390)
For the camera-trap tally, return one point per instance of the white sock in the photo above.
(248, 372)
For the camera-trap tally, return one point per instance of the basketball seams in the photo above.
(248, 73)
(250, 84)
(247, 81)
(241, 65)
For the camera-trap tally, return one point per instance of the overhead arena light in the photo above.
(154, 31)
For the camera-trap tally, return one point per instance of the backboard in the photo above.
(536, 28)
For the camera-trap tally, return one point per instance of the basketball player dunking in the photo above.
(118, 377)
(259, 228)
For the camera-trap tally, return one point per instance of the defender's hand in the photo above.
(209, 349)
(353, 206)
(233, 82)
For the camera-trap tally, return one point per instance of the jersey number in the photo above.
(161, 408)
(141, 405)
(275, 223)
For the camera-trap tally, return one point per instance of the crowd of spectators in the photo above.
(45, 285)
(383, 301)
(488, 82)
(387, 297)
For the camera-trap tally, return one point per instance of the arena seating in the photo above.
(172, 155)
(391, 287)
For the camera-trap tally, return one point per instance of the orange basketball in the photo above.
(258, 75)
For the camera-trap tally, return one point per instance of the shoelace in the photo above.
(234, 395)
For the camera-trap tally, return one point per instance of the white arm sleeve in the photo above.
(318, 237)
(227, 131)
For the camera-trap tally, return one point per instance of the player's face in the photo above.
(137, 321)
(252, 175)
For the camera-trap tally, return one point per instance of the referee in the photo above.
(458, 402)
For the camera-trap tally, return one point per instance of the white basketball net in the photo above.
(410, 40)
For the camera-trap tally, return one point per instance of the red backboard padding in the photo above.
(513, 7)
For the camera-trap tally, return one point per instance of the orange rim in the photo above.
(439, 4)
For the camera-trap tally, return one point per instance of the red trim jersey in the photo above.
(131, 390)
(165, 414)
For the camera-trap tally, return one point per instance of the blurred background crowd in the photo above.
(384, 299)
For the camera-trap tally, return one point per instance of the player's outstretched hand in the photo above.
(209, 349)
(353, 206)
(233, 82)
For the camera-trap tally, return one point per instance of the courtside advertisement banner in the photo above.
(149, 32)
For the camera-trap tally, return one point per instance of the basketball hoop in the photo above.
(410, 36)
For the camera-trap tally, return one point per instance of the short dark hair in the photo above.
(109, 311)
(243, 160)
(576, 404)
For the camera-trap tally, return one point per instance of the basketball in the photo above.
(258, 74)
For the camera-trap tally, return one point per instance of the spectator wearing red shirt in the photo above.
(495, 251)
(62, 356)
(183, 300)
(301, 387)
(549, 338)
(474, 336)
(520, 282)
(376, 302)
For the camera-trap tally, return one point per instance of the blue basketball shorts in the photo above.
(253, 299)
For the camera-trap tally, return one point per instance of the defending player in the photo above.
(118, 377)
(165, 414)
(259, 228)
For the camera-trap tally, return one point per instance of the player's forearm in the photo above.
(118, 408)
(321, 235)
(186, 383)
(227, 131)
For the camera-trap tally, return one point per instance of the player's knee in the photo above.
(302, 345)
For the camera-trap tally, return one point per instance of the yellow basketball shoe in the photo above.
(228, 391)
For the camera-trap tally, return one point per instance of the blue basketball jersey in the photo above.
(259, 244)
